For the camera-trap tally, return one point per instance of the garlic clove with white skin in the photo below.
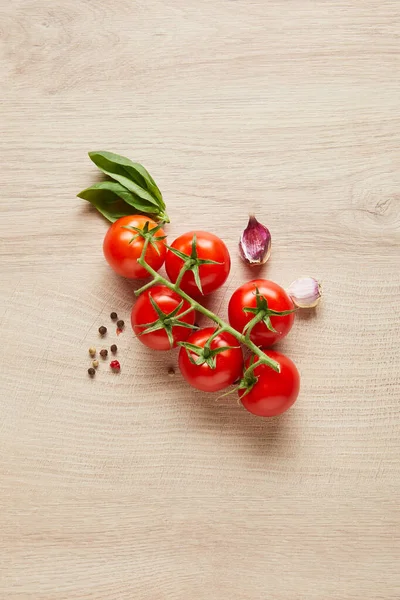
(305, 292)
(255, 243)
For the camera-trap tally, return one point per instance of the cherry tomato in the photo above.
(209, 247)
(160, 299)
(277, 300)
(122, 247)
(228, 363)
(273, 393)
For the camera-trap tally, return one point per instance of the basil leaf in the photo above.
(150, 183)
(131, 175)
(109, 202)
(126, 195)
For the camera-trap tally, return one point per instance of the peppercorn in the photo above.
(95, 364)
(102, 330)
(114, 348)
(114, 316)
(120, 324)
(91, 372)
(171, 371)
(92, 351)
(114, 364)
(103, 353)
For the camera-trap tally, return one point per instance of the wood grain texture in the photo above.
(135, 486)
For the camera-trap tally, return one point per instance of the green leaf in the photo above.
(132, 176)
(130, 198)
(107, 202)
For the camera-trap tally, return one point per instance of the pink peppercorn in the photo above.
(114, 364)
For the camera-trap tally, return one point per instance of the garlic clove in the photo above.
(255, 243)
(305, 292)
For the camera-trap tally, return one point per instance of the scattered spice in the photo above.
(120, 324)
(171, 371)
(102, 330)
(92, 351)
(103, 353)
(114, 364)
(114, 348)
(91, 372)
(95, 364)
(114, 316)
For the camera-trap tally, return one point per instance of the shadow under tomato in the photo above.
(228, 420)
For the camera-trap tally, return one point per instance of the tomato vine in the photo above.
(222, 326)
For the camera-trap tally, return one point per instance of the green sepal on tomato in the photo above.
(266, 393)
(161, 319)
(211, 361)
(206, 260)
(124, 241)
(263, 309)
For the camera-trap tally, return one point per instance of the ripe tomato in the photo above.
(277, 300)
(161, 308)
(228, 363)
(208, 247)
(123, 246)
(272, 393)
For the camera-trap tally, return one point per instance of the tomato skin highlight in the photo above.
(229, 364)
(209, 247)
(277, 299)
(122, 255)
(273, 393)
(143, 313)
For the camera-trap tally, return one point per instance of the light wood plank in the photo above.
(136, 486)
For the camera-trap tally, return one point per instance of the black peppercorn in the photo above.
(91, 372)
(102, 330)
(120, 324)
(114, 348)
(104, 353)
(114, 316)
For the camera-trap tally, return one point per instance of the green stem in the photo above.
(251, 368)
(180, 276)
(185, 312)
(251, 325)
(218, 331)
(264, 359)
(147, 286)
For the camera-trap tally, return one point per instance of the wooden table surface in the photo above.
(136, 486)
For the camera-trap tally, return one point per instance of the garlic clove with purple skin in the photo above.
(255, 243)
(305, 292)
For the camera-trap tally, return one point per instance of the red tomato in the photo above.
(277, 300)
(209, 247)
(273, 393)
(228, 363)
(122, 249)
(167, 302)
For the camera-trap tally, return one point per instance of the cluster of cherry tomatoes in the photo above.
(162, 318)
